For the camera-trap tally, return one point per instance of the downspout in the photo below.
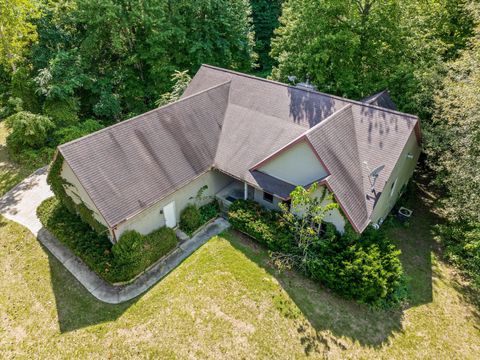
(112, 235)
(245, 191)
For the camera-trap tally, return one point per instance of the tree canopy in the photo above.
(453, 137)
(16, 29)
(356, 48)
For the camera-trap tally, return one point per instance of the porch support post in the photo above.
(245, 191)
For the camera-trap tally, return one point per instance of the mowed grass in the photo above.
(226, 302)
(10, 173)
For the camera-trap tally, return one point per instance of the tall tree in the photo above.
(265, 15)
(453, 138)
(354, 48)
(16, 29)
(123, 52)
(453, 148)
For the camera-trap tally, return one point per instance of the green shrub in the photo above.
(366, 268)
(76, 131)
(462, 247)
(134, 252)
(28, 130)
(363, 267)
(209, 211)
(94, 249)
(128, 250)
(32, 159)
(131, 255)
(190, 219)
(62, 112)
(265, 226)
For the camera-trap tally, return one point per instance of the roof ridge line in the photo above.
(303, 135)
(353, 102)
(141, 115)
(361, 165)
(328, 118)
(376, 96)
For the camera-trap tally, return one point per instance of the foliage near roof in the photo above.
(231, 121)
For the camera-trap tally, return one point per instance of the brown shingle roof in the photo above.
(231, 121)
(381, 99)
(351, 143)
(131, 165)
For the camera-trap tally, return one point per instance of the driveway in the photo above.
(20, 203)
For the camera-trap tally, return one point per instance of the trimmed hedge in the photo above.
(192, 217)
(112, 263)
(265, 226)
(134, 252)
(363, 267)
(209, 211)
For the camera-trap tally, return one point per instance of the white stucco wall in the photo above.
(258, 197)
(297, 165)
(151, 218)
(402, 171)
(334, 216)
(78, 193)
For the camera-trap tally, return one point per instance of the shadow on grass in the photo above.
(76, 307)
(343, 318)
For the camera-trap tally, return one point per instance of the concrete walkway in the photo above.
(20, 205)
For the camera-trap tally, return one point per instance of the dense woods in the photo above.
(70, 67)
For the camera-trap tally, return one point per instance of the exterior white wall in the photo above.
(78, 193)
(297, 165)
(151, 218)
(402, 171)
(334, 216)
(258, 197)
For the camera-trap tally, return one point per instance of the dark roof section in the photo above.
(269, 98)
(381, 99)
(128, 167)
(273, 185)
(231, 121)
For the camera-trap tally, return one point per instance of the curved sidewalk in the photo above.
(20, 205)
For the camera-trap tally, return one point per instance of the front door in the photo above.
(169, 213)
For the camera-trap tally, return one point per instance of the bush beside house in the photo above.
(131, 255)
(133, 252)
(193, 217)
(363, 267)
(265, 226)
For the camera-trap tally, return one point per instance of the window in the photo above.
(394, 185)
(267, 197)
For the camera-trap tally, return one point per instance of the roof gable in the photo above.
(296, 164)
(232, 122)
(132, 165)
(381, 99)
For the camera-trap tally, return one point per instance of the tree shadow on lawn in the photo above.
(76, 307)
(344, 318)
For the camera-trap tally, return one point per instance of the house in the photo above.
(244, 137)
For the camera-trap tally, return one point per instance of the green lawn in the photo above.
(226, 302)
